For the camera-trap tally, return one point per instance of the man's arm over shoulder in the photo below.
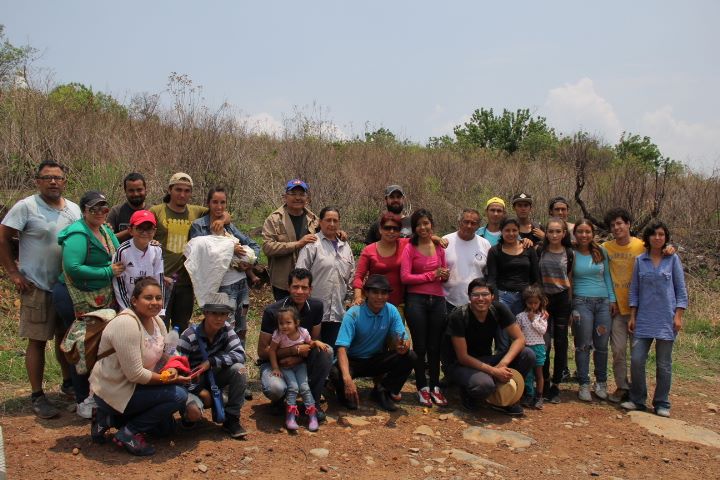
(275, 240)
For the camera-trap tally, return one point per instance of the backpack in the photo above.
(82, 340)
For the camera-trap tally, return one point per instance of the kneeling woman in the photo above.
(127, 391)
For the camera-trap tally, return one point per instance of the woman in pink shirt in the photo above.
(423, 269)
(383, 257)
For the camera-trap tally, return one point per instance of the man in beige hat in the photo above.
(174, 217)
(467, 355)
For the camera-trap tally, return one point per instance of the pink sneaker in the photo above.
(437, 397)
(424, 397)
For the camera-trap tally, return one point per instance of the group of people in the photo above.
(484, 305)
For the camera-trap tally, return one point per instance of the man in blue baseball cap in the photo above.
(285, 232)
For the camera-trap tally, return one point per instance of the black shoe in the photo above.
(467, 401)
(322, 418)
(349, 404)
(134, 444)
(277, 408)
(526, 400)
(553, 394)
(233, 426)
(513, 410)
(67, 390)
(98, 426)
(380, 395)
(248, 395)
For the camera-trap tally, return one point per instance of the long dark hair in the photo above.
(507, 221)
(595, 251)
(213, 191)
(142, 284)
(415, 219)
(565, 242)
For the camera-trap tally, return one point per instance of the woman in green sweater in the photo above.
(85, 284)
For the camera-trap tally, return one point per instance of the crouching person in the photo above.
(129, 394)
(468, 346)
(372, 343)
(223, 354)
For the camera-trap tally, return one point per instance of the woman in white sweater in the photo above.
(130, 395)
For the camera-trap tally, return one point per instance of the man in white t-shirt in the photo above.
(36, 220)
(466, 256)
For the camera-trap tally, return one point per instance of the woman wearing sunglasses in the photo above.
(383, 258)
(85, 284)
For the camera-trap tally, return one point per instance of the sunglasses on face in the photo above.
(97, 209)
(390, 228)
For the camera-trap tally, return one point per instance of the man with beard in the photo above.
(119, 216)
(395, 203)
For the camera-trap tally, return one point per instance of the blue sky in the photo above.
(417, 68)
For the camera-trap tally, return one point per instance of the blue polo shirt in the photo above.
(364, 333)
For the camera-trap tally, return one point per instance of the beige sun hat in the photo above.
(509, 393)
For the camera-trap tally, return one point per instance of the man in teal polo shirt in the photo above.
(372, 343)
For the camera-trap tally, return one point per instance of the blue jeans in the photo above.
(318, 365)
(150, 408)
(591, 332)
(514, 301)
(240, 294)
(426, 317)
(65, 310)
(663, 361)
(296, 379)
(480, 385)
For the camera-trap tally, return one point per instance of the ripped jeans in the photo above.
(591, 332)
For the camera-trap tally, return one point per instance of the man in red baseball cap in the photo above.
(140, 257)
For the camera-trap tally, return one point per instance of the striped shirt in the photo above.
(138, 264)
(554, 272)
(224, 351)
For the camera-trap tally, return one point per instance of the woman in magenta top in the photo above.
(423, 269)
(383, 257)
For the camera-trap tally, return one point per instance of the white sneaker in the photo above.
(85, 409)
(601, 390)
(584, 393)
(629, 405)
(662, 412)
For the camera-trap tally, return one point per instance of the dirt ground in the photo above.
(572, 440)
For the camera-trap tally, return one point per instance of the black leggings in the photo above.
(559, 307)
(426, 317)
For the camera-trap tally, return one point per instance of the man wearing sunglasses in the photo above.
(394, 203)
(36, 220)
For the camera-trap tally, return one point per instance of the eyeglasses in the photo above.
(480, 294)
(50, 178)
(296, 194)
(389, 228)
(145, 231)
(99, 209)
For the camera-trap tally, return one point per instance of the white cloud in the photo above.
(695, 144)
(578, 106)
(263, 123)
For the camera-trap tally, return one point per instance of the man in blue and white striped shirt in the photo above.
(226, 358)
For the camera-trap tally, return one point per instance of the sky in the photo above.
(417, 68)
